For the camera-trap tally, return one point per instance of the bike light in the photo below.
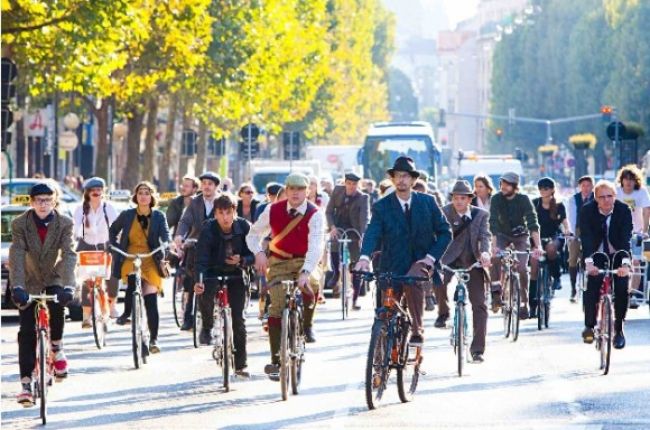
(627, 262)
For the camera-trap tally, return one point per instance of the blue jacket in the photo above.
(400, 245)
(158, 231)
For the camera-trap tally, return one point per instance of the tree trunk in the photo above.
(201, 143)
(132, 169)
(101, 157)
(187, 120)
(165, 170)
(150, 150)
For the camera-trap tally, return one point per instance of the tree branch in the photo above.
(14, 30)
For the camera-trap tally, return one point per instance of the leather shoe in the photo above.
(588, 335)
(441, 321)
(477, 357)
(619, 340)
(205, 337)
(309, 335)
(273, 371)
(187, 325)
(430, 303)
(523, 313)
(123, 320)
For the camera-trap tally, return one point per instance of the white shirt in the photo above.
(96, 232)
(405, 202)
(637, 201)
(262, 228)
(209, 204)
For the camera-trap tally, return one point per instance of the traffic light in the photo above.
(499, 133)
(606, 112)
(291, 145)
(9, 73)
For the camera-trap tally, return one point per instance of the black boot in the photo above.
(125, 318)
(151, 306)
(188, 315)
(532, 294)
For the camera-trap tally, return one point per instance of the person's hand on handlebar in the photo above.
(486, 261)
(590, 268)
(362, 265)
(303, 284)
(199, 288)
(538, 253)
(623, 271)
(261, 263)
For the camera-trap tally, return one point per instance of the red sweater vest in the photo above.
(294, 243)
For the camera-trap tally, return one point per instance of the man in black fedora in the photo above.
(412, 234)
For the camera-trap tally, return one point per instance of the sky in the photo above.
(458, 10)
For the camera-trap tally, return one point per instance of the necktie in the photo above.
(293, 212)
(604, 233)
(464, 219)
(407, 213)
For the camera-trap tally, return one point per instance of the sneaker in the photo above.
(573, 299)
(25, 397)
(523, 313)
(242, 373)
(114, 312)
(441, 321)
(123, 320)
(153, 347)
(86, 323)
(205, 337)
(496, 302)
(619, 340)
(187, 325)
(273, 371)
(356, 307)
(60, 364)
(309, 335)
(588, 335)
(634, 302)
(430, 303)
(416, 340)
(477, 357)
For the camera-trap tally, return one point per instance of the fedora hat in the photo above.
(462, 187)
(404, 164)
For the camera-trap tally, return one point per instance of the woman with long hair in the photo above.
(483, 190)
(315, 195)
(247, 205)
(92, 220)
(142, 229)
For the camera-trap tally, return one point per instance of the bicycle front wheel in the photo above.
(227, 348)
(507, 306)
(43, 352)
(197, 322)
(408, 373)
(284, 355)
(98, 318)
(605, 335)
(516, 305)
(136, 330)
(377, 364)
(177, 298)
(344, 291)
(540, 293)
(297, 351)
(460, 337)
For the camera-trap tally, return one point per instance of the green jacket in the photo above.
(506, 214)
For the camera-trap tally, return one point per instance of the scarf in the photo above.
(42, 223)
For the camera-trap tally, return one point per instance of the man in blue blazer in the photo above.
(412, 233)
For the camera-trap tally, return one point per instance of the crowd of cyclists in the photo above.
(401, 226)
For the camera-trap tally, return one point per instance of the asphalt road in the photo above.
(547, 379)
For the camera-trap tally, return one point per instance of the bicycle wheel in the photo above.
(198, 321)
(136, 330)
(227, 348)
(177, 298)
(297, 351)
(98, 318)
(408, 372)
(547, 306)
(516, 304)
(605, 335)
(43, 352)
(284, 355)
(460, 337)
(539, 296)
(377, 364)
(507, 306)
(344, 291)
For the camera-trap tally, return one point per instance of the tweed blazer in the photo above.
(480, 235)
(192, 220)
(358, 210)
(35, 265)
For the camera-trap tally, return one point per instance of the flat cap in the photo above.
(510, 177)
(94, 182)
(41, 188)
(297, 180)
(212, 176)
(351, 176)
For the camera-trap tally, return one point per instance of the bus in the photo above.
(386, 141)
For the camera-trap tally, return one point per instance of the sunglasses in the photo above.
(247, 192)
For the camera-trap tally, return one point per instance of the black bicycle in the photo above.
(292, 340)
(511, 291)
(543, 294)
(389, 348)
(179, 296)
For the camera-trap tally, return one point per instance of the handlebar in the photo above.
(389, 276)
(162, 247)
(462, 270)
(42, 298)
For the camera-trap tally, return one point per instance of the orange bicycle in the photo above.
(94, 268)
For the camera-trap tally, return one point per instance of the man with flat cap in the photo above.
(471, 243)
(297, 229)
(347, 211)
(200, 209)
(412, 234)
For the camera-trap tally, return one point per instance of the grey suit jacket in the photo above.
(192, 219)
(480, 235)
(35, 265)
(358, 211)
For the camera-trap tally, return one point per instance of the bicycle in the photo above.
(389, 348)
(94, 268)
(511, 292)
(139, 331)
(43, 374)
(603, 329)
(460, 329)
(344, 265)
(223, 351)
(543, 294)
(292, 339)
(179, 297)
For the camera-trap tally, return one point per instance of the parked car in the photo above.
(22, 186)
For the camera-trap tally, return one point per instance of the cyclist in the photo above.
(141, 229)
(513, 221)
(222, 251)
(551, 216)
(272, 190)
(576, 202)
(91, 222)
(297, 228)
(412, 233)
(347, 209)
(471, 243)
(316, 195)
(41, 257)
(605, 226)
(200, 209)
(189, 187)
(247, 205)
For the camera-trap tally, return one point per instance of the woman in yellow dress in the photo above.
(140, 230)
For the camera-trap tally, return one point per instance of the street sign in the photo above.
(291, 145)
(254, 149)
(611, 130)
(35, 124)
(250, 130)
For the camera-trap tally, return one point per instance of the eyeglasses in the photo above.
(247, 192)
(605, 196)
(43, 202)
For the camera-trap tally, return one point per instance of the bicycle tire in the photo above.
(136, 331)
(344, 291)
(507, 306)
(297, 349)
(378, 356)
(539, 296)
(197, 322)
(284, 355)
(98, 319)
(460, 338)
(43, 352)
(409, 370)
(227, 348)
(177, 298)
(516, 302)
(606, 334)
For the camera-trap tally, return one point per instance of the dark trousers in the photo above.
(476, 292)
(237, 295)
(27, 333)
(592, 296)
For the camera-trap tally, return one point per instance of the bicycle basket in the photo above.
(94, 264)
